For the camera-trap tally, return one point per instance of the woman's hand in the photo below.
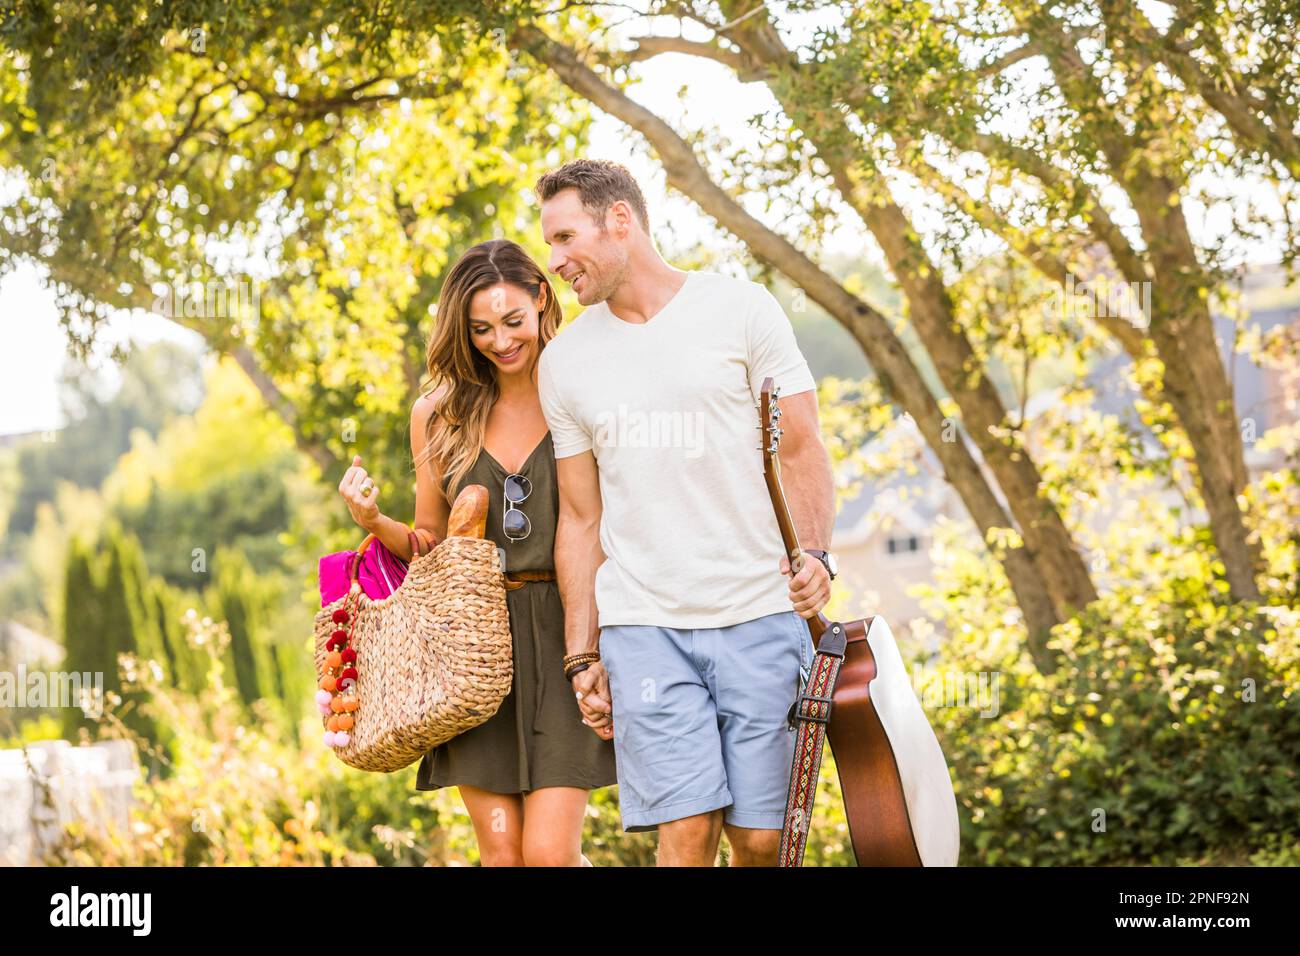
(591, 687)
(362, 495)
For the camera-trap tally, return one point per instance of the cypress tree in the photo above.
(83, 644)
(189, 672)
(122, 625)
(297, 676)
(146, 630)
(156, 602)
(238, 597)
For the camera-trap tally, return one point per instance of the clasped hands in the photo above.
(591, 687)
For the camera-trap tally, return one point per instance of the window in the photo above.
(903, 545)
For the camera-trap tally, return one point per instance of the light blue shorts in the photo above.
(700, 718)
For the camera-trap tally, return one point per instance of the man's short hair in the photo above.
(599, 183)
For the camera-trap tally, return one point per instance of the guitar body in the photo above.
(898, 797)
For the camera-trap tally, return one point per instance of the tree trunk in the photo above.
(1195, 378)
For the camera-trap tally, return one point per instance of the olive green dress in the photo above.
(537, 738)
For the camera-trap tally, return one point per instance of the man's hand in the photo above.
(591, 687)
(810, 589)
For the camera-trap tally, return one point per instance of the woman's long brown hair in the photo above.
(454, 431)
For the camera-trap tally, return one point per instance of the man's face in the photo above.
(592, 261)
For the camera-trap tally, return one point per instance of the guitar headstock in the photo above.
(769, 419)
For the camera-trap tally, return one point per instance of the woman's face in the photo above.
(503, 325)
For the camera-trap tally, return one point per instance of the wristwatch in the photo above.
(826, 558)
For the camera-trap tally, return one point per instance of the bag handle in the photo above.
(422, 542)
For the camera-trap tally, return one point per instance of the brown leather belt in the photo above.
(520, 578)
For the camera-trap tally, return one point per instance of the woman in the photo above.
(525, 772)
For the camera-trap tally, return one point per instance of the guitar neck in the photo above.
(789, 537)
(817, 624)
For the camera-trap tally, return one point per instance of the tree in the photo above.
(359, 160)
(1103, 116)
(84, 651)
(184, 666)
(126, 635)
(239, 598)
(109, 624)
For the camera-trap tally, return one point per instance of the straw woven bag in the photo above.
(434, 658)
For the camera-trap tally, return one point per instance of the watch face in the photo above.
(829, 561)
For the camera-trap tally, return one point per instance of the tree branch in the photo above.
(652, 46)
(1240, 108)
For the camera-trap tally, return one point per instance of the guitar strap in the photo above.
(813, 712)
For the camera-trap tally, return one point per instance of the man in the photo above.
(667, 552)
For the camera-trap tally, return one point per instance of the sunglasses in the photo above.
(515, 523)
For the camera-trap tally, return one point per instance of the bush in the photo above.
(237, 796)
(1171, 730)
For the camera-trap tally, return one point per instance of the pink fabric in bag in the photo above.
(380, 574)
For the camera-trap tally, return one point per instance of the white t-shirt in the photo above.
(667, 408)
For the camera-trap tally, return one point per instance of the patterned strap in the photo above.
(813, 711)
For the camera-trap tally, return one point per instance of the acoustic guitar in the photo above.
(898, 797)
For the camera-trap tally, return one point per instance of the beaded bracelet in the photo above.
(571, 674)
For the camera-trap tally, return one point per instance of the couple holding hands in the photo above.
(656, 644)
